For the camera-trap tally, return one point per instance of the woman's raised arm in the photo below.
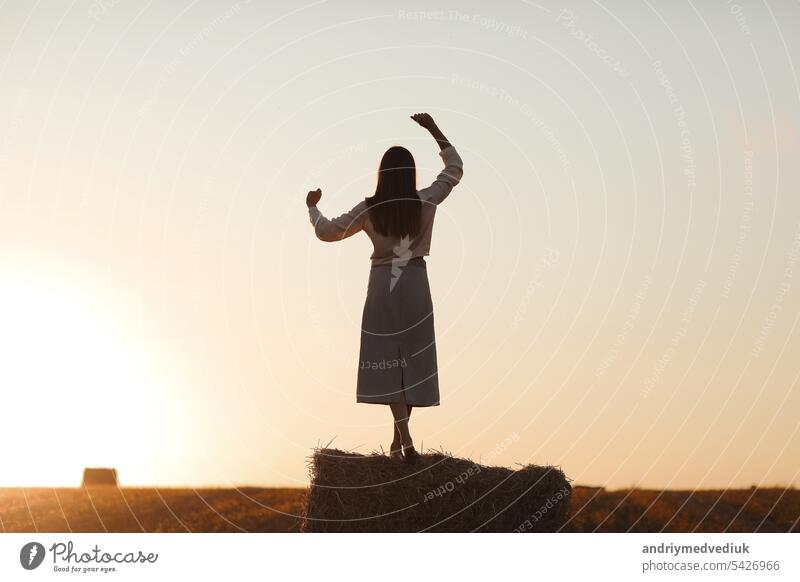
(453, 165)
(338, 228)
(426, 121)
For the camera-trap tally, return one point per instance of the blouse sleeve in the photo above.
(340, 227)
(447, 179)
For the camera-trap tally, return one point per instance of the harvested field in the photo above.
(259, 509)
(130, 509)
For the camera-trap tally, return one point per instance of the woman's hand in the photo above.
(313, 198)
(425, 120)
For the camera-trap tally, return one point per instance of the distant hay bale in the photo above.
(440, 493)
(93, 476)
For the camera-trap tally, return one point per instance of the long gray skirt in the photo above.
(398, 344)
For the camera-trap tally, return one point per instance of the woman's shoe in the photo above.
(410, 455)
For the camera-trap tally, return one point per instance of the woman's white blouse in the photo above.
(388, 250)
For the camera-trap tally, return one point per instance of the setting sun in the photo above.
(76, 391)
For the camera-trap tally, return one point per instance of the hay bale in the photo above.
(93, 476)
(440, 493)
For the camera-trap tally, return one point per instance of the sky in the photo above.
(615, 281)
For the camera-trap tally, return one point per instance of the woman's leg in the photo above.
(396, 448)
(400, 412)
(397, 440)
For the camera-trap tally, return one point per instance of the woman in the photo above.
(398, 348)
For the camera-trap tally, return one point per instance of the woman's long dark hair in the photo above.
(395, 209)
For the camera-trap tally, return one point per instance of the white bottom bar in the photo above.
(389, 557)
